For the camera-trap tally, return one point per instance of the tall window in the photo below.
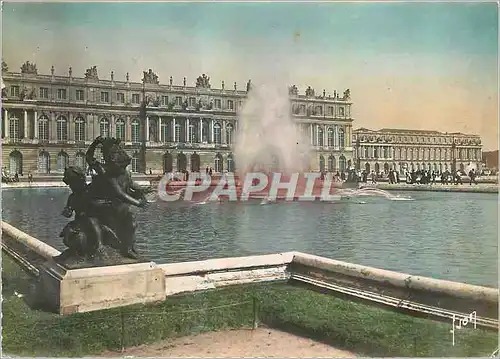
(330, 137)
(164, 100)
(80, 160)
(331, 163)
(120, 97)
(217, 103)
(190, 138)
(135, 98)
(44, 92)
(342, 163)
(104, 127)
(177, 132)
(79, 95)
(43, 128)
(341, 139)
(230, 104)
(14, 91)
(79, 129)
(104, 97)
(217, 134)
(62, 128)
(120, 129)
(14, 130)
(218, 163)
(164, 130)
(135, 131)
(230, 163)
(229, 134)
(43, 162)
(62, 161)
(320, 136)
(134, 162)
(61, 94)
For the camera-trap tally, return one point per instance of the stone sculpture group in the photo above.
(103, 229)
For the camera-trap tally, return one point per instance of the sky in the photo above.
(408, 65)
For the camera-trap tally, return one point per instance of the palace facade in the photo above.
(407, 150)
(48, 121)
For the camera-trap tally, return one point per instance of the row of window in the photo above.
(416, 139)
(403, 167)
(302, 109)
(332, 164)
(62, 94)
(331, 141)
(166, 134)
(63, 162)
(419, 154)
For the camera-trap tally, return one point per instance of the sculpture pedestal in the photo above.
(68, 291)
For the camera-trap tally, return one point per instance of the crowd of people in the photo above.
(410, 177)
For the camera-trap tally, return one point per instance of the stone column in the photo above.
(212, 131)
(325, 136)
(36, 126)
(335, 136)
(312, 134)
(112, 126)
(160, 135)
(52, 127)
(200, 131)
(173, 130)
(188, 138)
(147, 129)
(25, 124)
(223, 132)
(6, 119)
(128, 129)
(71, 127)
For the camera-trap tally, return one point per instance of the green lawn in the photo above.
(357, 327)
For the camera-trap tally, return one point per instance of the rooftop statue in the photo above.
(149, 77)
(103, 229)
(293, 90)
(249, 85)
(29, 68)
(347, 95)
(203, 81)
(309, 91)
(5, 67)
(91, 73)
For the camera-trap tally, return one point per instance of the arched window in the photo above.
(134, 162)
(230, 163)
(80, 160)
(341, 138)
(331, 163)
(320, 136)
(14, 129)
(16, 162)
(229, 134)
(217, 133)
(330, 137)
(135, 131)
(164, 130)
(44, 162)
(190, 137)
(342, 163)
(104, 127)
(181, 162)
(62, 161)
(177, 132)
(218, 163)
(321, 163)
(195, 162)
(120, 129)
(43, 128)
(79, 129)
(168, 163)
(62, 128)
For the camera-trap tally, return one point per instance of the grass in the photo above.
(353, 326)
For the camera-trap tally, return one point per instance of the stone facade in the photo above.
(404, 150)
(49, 120)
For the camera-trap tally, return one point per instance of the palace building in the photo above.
(48, 121)
(407, 150)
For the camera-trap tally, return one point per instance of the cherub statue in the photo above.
(113, 183)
